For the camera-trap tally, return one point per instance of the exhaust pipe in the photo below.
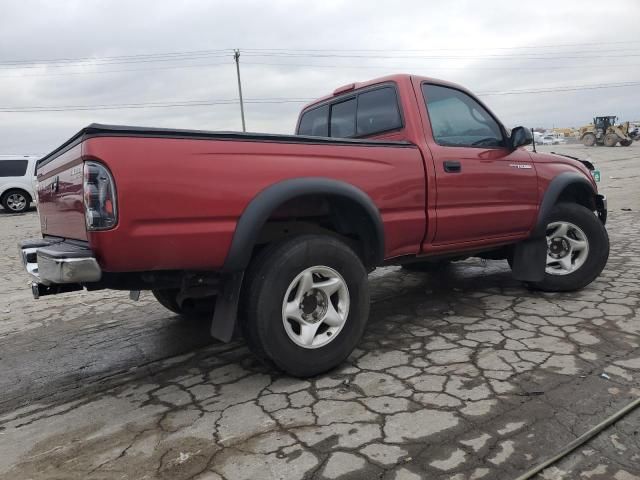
(41, 290)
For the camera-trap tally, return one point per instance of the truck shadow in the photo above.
(9, 213)
(75, 358)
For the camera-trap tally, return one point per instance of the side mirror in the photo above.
(520, 136)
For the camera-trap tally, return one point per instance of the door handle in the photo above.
(452, 166)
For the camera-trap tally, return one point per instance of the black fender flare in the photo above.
(264, 204)
(253, 218)
(551, 195)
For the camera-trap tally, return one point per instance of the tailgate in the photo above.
(60, 195)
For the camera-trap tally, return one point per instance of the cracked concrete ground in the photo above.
(468, 375)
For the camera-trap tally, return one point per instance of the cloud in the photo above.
(478, 39)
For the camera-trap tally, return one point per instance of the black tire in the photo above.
(626, 143)
(611, 140)
(589, 140)
(269, 278)
(598, 242)
(191, 308)
(9, 204)
(431, 267)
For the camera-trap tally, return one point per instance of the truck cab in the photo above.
(481, 189)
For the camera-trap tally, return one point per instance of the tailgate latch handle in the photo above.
(54, 184)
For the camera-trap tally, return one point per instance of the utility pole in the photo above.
(236, 57)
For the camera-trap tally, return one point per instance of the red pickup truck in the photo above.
(275, 234)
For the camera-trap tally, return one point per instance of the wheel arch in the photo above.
(268, 200)
(565, 187)
(7, 188)
(254, 218)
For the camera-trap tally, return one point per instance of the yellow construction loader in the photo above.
(604, 131)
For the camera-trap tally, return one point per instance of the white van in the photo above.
(17, 182)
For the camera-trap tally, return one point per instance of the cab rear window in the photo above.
(13, 168)
(343, 119)
(367, 113)
(315, 122)
(378, 111)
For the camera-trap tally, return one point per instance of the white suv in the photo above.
(17, 182)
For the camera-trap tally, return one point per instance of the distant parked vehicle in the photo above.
(547, 140)
(17, 182)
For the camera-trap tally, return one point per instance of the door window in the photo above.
(458, 120)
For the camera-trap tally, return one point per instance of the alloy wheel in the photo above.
(567, 248)
(315, 307)
(16, 202)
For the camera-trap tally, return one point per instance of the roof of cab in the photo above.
(19, 157)
(396, 78)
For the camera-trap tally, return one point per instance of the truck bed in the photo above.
(181, 192)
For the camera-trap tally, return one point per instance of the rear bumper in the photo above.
(55, 262)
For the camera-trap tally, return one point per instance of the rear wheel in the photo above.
(577, 249)
(305, 304)
(189, 307)
(589, 140)
(611, 140)
(16, 201)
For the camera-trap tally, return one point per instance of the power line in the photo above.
(123, 70)
(439, 67)
(89, 63)
(440, 57)
(125, 106)
(233, 101)
(376, 53)
(557, 45)
(562, 89)
(116, 57)
(318, 65)
(344, 53)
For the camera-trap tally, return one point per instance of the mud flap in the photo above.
(226, 311)
(530, 259)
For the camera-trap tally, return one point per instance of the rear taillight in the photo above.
(100, 208)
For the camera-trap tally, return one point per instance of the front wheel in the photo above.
(305, 304)
(577, 249)
(626, 143)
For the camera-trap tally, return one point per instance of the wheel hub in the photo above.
(314, 306)
(16, 201)
(559, 247)
(567, 248)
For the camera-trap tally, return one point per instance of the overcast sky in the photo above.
(315, 46)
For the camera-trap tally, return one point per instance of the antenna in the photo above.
(533, 142)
